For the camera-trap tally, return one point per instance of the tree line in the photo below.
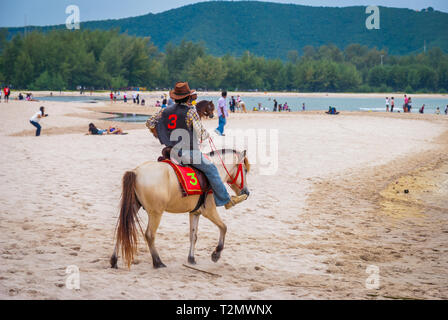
(64, 60)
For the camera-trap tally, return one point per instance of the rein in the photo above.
(240, 167)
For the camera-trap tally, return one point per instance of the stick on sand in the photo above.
(210, 273)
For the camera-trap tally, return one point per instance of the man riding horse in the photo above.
(179, 127)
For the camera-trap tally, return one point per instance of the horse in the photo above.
(155, 187)
(205, 108)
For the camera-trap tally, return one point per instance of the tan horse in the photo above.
(155, 187)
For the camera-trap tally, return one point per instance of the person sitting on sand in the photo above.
(157, 104)
(438, 111)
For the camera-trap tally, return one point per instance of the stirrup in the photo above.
(235, 200)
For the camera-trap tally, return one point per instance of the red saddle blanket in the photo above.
(192, 182)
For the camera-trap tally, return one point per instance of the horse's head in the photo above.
(240, 170)
(205, 109)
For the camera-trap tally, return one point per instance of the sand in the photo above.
(335, 207)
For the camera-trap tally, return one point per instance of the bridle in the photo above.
(238, 173)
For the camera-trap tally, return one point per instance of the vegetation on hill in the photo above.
(272, 30)
(109, 60)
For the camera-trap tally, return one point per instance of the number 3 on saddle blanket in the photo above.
(192, 181)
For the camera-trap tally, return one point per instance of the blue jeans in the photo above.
(220, 193)
(37, 125)
(222, 123)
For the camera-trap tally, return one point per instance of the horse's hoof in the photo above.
(191, 260)
(216, 256)
(113, 262)
(159, 265)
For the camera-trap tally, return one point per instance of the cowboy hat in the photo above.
(181, 90)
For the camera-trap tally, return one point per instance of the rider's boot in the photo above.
(234, 200)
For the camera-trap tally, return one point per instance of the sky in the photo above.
(17, 13)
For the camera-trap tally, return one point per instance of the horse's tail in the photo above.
(127, 234)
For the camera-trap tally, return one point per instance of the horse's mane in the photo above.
(224, 151)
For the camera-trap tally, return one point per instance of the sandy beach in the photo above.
(336, 206)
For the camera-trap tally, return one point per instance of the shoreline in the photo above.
(157, 94)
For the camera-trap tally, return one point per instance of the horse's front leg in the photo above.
(212, 214)
(194, 222)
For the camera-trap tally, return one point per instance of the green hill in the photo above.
(272, 30)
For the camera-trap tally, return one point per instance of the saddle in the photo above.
(191, 180)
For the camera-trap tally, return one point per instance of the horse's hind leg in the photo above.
(114, 258)
(194, 222)
(212, 214)
(150, 234)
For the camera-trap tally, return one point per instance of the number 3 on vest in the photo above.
(173, 123)
(193, 180)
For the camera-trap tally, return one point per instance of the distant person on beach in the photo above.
(164, 104)
(223, 114)
(115, 97)
(6, 92)
(20, 96)
(134, 97)
(36, 119)
(446, 109)
(1, 93)
(392, 104)
(138, 98)
(422, 109)
(125, 97)
(157, 104)
(387, 104)
(232, 104)
(111, 95)
(405, 106)
(303, 106)
(409, 104)
(275, 105)
(438, 111)
(242, 106)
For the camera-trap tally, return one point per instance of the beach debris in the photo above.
(207, 272)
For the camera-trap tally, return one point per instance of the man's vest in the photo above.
(173, 125)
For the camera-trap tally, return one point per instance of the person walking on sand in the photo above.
(223, 114)
(392, 104)
(387, 104)
(7, 92)
(36, 119)
(275, 105)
